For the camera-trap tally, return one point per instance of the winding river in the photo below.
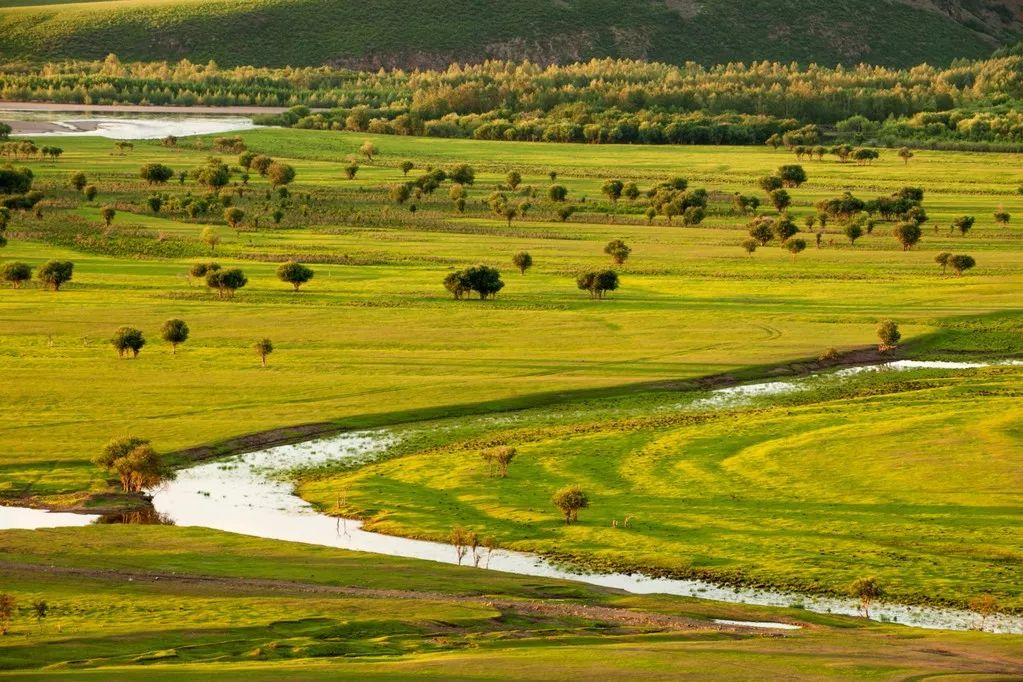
(247, 494)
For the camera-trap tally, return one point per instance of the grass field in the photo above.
(390, 32)
(911, 478)
(374, 338)
(191, 603)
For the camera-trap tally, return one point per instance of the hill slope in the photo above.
(433, 33)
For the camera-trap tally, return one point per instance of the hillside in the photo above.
(432, 34)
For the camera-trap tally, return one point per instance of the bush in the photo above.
(294, 274)
(128, 339)
(15, 273)
(54, 274)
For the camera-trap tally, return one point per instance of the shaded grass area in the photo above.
(269, 609)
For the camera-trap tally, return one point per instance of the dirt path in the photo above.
(530, 607)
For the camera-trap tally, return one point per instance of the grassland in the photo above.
(191, 603)
(390, 32)
(805, 492)
(374, 338)
(910, 478)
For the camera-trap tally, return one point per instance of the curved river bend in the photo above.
(244, 494)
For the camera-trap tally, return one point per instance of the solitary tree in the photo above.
(406, 166)
(750, 245)
(369, 150)
(1002, 218)
(514, 179)
(174, 332)
(15, 273)
(90, 192)
(155, 202)
(905, 154)
(888, 334)
(54, 274)
(351, 169)
(156, 173)
(128, 339)
(107, 213)
(867, 590)
(226, 281)
(983, 605)
(570, 500)
(618, 250)
(263, 348)
(294, 274)
(523, 261)
(961, 263)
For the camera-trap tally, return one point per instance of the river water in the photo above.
(251, 494)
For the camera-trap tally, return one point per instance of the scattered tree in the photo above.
(557, 193)
(294, 274)
(750, 245)
(128, 339)
(498, 460)
(369, 150)
(233, 216)
(463, 174)
(280, 174)
(961, 263)
(795, 246)
(175, 332)
(597, 282)
(77, 181)
(963, 223)
(155, 202)
(1002, 218)
(942, 260)
(613, 190)
(905, 154)
(853, 231)
(7, 606)
(780, 199)
(908, 235)
(523, 261)
(570, 500)
(210, 237)
(351, 169)
(226, 281)
(513, 179)
(156, 173)
(263, 348)
(90, 192)
(136, 463)
(15, 273)
(888, 334)
(867, 590)
(618, 250)
(792, 175)
(108, 213)
(406, 166)
(54, 274)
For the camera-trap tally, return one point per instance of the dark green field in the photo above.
(397, 33)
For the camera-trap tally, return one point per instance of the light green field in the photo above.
(380, 341)
(191, 603)
(804, 496)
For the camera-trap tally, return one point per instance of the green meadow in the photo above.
(191, 603)
(911, 477)
(375, 339)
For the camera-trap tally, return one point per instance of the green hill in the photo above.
(432, 33)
